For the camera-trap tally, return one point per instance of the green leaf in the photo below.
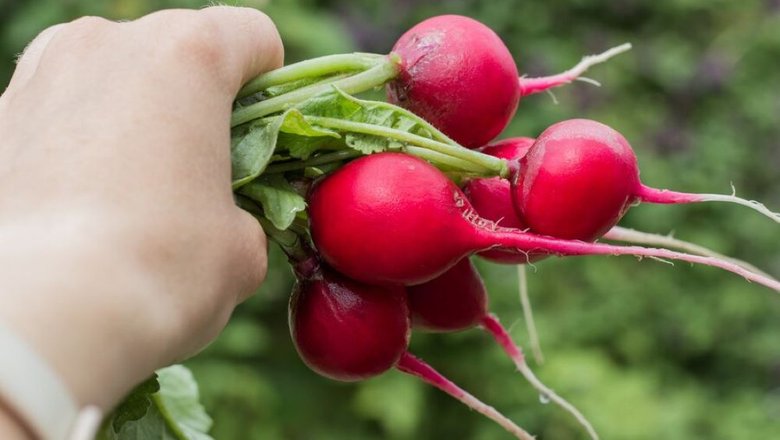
(152, 426)
(336, 104)
(250, 154)
(164, 407)
(178, 401)
(368, 144)
(278, 198)
(340, 105)
(303, 147)
(293, 122)
(136, 404)
(303, 139)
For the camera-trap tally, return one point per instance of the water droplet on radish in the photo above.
(543, 399)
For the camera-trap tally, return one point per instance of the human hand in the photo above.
(121, 248)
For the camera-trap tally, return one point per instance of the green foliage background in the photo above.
(644, 349)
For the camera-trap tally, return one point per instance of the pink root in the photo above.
(409, 364)
(529, 86)
(665, 196)
(491, 325)
(526, 242)
(618, 233)
(528, 314)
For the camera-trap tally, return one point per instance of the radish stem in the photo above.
(530, 243)
(373, 77)
(409, 364)
(528, 314)
(311, 68)
(665, 196)
(491, 324)
(492, 164)
(322, 159)
(618, 233)
(529, 86)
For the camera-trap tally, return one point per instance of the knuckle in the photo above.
(72, 42)
(87, 25)
(273, 41)
(195, 43)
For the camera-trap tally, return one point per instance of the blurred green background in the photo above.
(644, 349)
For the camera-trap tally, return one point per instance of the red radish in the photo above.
(457, 300)
(492, 199)
(580, 178)
(391, 218)
(457, 74)
(346, 330)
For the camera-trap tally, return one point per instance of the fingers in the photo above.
(230, 45)
(251, 254)
(252, 42)
(28, 60)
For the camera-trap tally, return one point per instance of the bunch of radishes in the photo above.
(379, 205)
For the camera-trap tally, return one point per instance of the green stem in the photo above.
(312, 68)
(489, 163)
(452, 163)
(289, 241)
(367, 80)
(322, 159)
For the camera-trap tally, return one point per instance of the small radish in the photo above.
(492, 199)
(457, 300)
(457, 74)
(348, 331)
(391, 218)
(580, 178)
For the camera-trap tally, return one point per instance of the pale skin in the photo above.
(121, 247)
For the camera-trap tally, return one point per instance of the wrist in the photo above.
(74, 319)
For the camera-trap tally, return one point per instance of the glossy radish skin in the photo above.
(514, 148)
(457, 74)
(492, 198)
(576, 181)
(346, 330)
(349, 331)
(391, 218)
(455, 300)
